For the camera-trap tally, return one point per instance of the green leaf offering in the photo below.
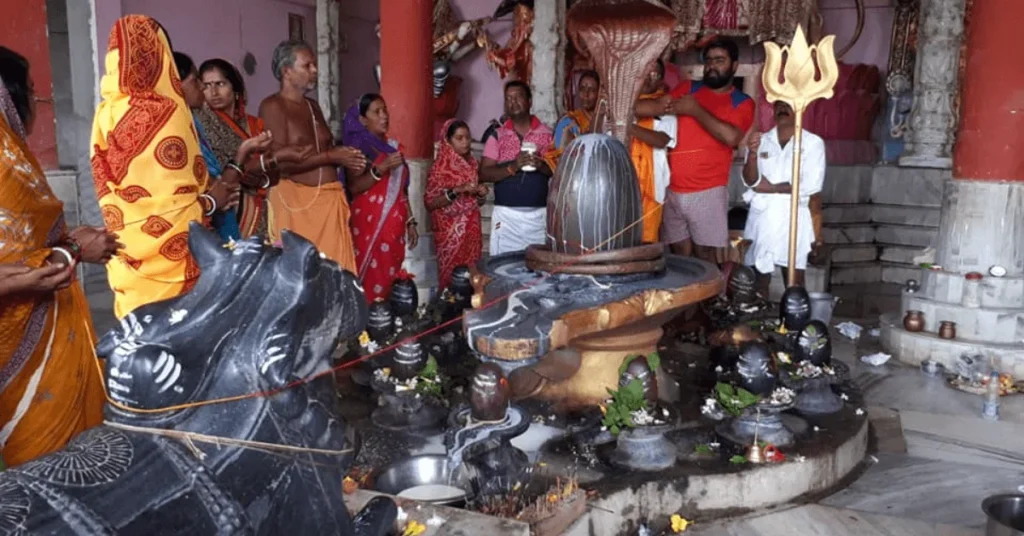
(737, 459)
(702, 449)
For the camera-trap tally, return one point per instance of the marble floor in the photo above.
(953, 458)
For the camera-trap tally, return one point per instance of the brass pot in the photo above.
(913, 321)
(947, 329)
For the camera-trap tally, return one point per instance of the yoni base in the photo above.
(601, 359)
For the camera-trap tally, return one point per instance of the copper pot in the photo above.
(913, 321)
(947, 329)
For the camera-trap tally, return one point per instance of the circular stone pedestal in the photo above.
(710, 487)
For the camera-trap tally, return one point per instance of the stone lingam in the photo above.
(756, 374)
(809, 370)
(577, 306)
(479, 435)
(409, 393)
(259, 319)
(641, 444)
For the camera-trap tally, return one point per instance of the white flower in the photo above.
(435, 521)
(816, 429)
(372, 346)
(718, 368)
(859, 412)
(398, 322)
(799, 458)
(641, 417)
(714, 444)
(844, 396)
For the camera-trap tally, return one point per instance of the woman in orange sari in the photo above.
(453, 198)
(226, 125)
(382, 220)
(151, 179)
(50, 389)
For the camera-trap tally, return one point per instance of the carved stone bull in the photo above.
(259, 319)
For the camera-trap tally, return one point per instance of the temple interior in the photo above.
(614, 388)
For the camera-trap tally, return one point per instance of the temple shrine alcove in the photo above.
(845, 121)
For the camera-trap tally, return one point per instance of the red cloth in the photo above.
(380, 257)
(457, 233)
(699, 161)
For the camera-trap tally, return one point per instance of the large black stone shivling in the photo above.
(259, 319)
(795, 308)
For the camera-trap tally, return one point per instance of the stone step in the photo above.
(867, 299)
(816, 279)
(898, 273)
(845, 273)
(998, 292)
(897, 254)
(841, 253)
(847, 184)
(920, 187)
(913, 348)
(853, 233)
(903, 215)
(832, 214)
(1004, 326)
(905, 235)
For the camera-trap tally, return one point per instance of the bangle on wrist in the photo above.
(212, 203)
(234, 165)
(375, 174)
(266, 182)
(66, 254)
(410, 221)
(263, 163)
(72, 246)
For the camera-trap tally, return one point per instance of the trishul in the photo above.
(802, 84)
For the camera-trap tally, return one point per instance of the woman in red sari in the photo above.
(382, 222)
(453, 198)
(226, 125)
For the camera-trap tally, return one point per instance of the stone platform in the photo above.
(981, 226)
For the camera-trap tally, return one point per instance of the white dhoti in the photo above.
(768, 219)
(515, 228)
(768, 229)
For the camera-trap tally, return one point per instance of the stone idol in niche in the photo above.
(241, 330)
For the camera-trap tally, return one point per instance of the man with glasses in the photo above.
(713, 117)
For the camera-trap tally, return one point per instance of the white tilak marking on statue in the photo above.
(177, 315)
(272, 357)
(167, 368)
(160, 361)
(174, 378)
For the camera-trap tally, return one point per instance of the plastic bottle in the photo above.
(990, 411)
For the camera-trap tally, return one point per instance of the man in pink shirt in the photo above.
(520, 176)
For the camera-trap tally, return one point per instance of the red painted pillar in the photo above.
(406, 30)
(990, 142)
(23, 27)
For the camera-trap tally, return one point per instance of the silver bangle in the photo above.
(67, 255)
(213, 204)
(266, 182)
(237, 168)
(263, 164)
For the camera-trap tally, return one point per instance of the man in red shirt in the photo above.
(713, 118)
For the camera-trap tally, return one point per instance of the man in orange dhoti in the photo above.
(150, 176)
(310, 200)
(50, 388)
(652, 136)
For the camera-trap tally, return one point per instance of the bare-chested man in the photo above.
(309, 200)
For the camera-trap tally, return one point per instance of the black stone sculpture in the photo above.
(381, 324)
(405, 298)
(795, 308)
(462, 283)
(741, 285)
(814, 344)
(409, 359)
(755, 369)
(259, 319)
(638, 369)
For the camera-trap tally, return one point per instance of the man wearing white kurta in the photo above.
(767, 173)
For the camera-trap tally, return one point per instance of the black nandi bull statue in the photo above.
(259, 319)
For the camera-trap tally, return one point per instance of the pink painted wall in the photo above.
(840, 17)
(481, 93)
(225, 29)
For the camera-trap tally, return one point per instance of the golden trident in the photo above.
(800, 87)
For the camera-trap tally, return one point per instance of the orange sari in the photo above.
(49, 389)
(147, 166)
(643, 161)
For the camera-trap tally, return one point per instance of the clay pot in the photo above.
(380, 323)
(947, 329)
(405, 298)
(741, 285)
(814, 344)
(795, 308)
(913, 321)
(638, 369)
(489, 393)
(755, 369)
(409, 360)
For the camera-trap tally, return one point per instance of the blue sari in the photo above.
(225, 223)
